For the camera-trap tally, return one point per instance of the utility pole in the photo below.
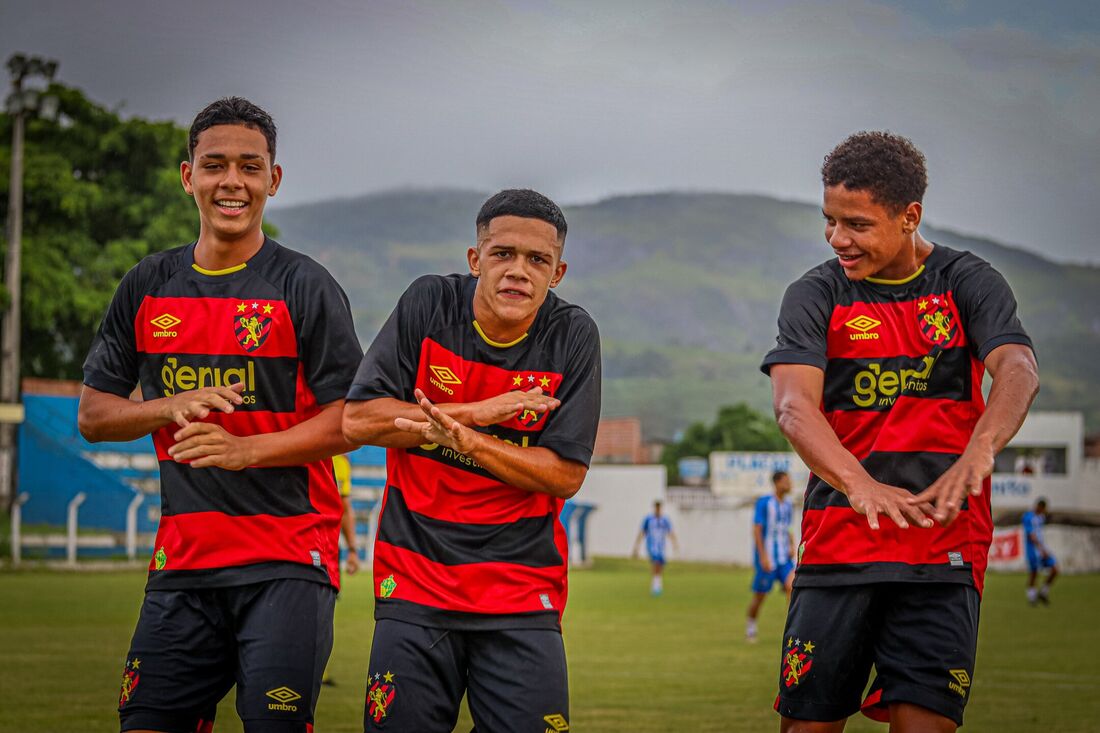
(20, 103)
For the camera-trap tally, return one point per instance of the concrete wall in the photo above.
(1077, 549)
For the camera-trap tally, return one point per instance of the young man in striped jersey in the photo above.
(243, 350)
(773, 547)
(877, 380)
(485, 389)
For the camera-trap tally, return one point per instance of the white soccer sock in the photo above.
(1032, 594)
(750, 627)
(656, 587)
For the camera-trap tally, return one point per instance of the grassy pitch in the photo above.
(637, 663)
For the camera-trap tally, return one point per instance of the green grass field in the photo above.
(638, 664)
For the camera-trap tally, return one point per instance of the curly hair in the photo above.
(231, 111)
(889, 166)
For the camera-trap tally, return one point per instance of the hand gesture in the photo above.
(964, 477)
(874, 498)
(196, 404)
(351, 563)
(438, 427)
(206, 445)
(503, 407)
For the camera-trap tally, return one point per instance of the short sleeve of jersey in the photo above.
(388, 369)
(645, 525)
(760, 516)
(330, 350)
(1029, 525)
(112, 363)
(987, 307)
(803, 325)
(571, 429)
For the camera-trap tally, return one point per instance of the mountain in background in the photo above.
(685, 288)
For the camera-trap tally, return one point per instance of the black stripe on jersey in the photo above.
(808, 576)
(528, 542)
(270, 384)
(279, 492)
(875, 384)
(414, 613)
(910, 471)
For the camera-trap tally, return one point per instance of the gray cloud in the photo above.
(589, 99)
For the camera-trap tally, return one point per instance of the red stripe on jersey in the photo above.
(456, 495)
(206, 540)
(944, 427)
(888, 330)
(841, 535)
(483, 588)
(215, 326)
(443, 374)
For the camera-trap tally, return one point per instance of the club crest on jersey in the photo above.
(130, 678)
(937, 320)
(797, 661)
(380, 696)
(252, 324)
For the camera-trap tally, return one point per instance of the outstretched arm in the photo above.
(1015, 384)
(531, 469)
(797, 391)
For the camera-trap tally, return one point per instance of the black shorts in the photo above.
(920, 637)
(190, 646)
(515, 680)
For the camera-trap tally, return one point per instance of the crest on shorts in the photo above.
(130, 678)
(797, 661)
(380, 696)
(937, 320)
(252, 324)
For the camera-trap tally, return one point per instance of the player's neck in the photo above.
(216, 253)
(909, 260)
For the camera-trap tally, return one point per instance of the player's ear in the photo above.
(276, 179)
(185, 177)
(474, 261)
(911, 217)
(559, 273)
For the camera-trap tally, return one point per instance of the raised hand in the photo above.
(196, 404)
(505, 406)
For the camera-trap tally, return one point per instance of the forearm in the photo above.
(816, 443)
(347, 526)
(1015, 385)
(758, 538)
(370, 422)
(312, 440)
(531, 469)
(103, 416)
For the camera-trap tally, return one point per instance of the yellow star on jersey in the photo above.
(136, 663)
(544, 382)
(241, 307)
(790, 641)
(923, 305)
(517, 380)
(268, 308)
(388, 676)
(809, 647)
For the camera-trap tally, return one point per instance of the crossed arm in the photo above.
(797, 393)
(392, 423)
(104, 416)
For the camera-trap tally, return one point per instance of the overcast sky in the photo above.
(588, 99)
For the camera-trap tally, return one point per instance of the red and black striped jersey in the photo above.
(903, 365)
(457, 547)
(280, 324)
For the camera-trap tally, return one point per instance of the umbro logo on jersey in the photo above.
(864, 326)
(283, 696)
(557, 723)
(443, 376)
(165, 322)
(961, 682)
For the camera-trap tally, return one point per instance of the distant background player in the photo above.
(655, 529)
(773, 549)
(1038, 556)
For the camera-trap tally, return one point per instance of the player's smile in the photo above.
(870, 239)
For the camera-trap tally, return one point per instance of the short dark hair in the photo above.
(778, 475)
(232, 111)
(525, 203)
(889, 166)
(1041, 503)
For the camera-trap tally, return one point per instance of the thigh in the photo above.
(826, 654)
(415, 679)
(518, 681)
(284, 637)
(180, 664)
(924, 654)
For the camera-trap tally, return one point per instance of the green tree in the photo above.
(736, 428)
(100, 193)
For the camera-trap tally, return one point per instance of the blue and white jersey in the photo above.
(774, 518)
(656, 532)
(1033, 525)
